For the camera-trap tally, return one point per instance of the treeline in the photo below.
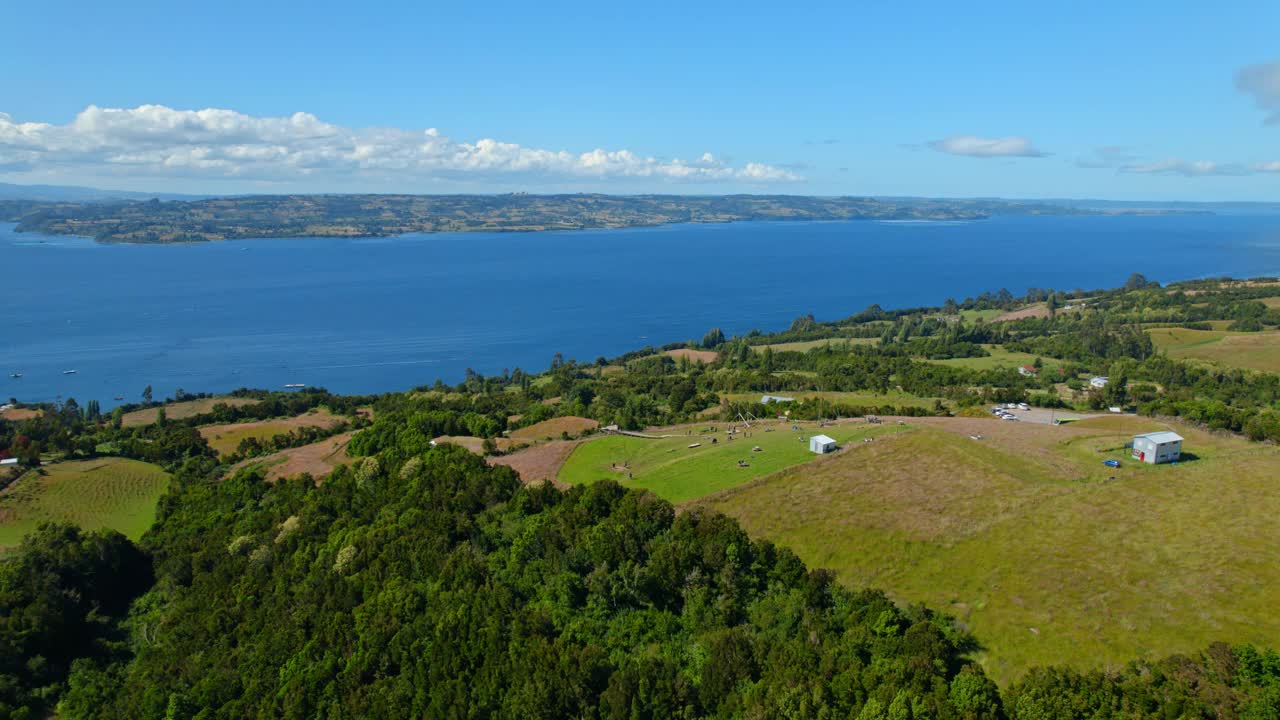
(70, 432)
(73, 431)
(255, 447)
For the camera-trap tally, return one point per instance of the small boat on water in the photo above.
(70, 372)
(15, 374)
(119, 397)
(295, 386)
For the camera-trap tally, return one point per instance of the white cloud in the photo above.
(1123, 160)
(154, 140)
(1262, 81)
(973, 146)
(1188, 168)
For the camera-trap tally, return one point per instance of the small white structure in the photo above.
(8, 461)
(1157, 447)
(766, 399)
(1099, 382)
(821, 444)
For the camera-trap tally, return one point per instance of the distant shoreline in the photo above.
(18, 229)
(158, 222)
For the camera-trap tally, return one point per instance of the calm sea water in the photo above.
(363, 316)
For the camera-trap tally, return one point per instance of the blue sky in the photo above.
(1135, 100)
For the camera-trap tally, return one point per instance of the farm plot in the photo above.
(111, 493)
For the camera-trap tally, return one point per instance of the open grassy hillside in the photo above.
(553, 429)
(839, 343)
(1251, 351)
(318, 459)
(702, 356)
(894, 398)
(226, 438)
(104, 493)
(1037, 547)
(999, 358)
(181, 410)
(20, 414)
(671, 469)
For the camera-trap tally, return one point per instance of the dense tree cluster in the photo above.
(62, 596)
(1220, 683)
(436, 586)
(74, 432)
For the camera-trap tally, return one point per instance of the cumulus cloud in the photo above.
(973, 146)
(1262, 81)
(1187, 168)
(1121, 159)
(214, 143)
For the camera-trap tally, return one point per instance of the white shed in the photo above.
(821, 444)
(1157, 447)
(8, 461)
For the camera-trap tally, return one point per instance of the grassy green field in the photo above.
(807, 345)
(1271, 302)
(1027, 540)
(1252, 351)
(104, 493)
(228, 437)
(896, 398)
(677, 472)
(999, 358)
(984, 315)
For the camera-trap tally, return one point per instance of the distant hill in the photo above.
(75, 193)
(263, 216)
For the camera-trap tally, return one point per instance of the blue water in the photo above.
(363, 316)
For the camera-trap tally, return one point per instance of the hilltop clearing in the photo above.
(696, 462)
(226, 439)
(1033, 544)
(182, 410)
(1247, 350)
(110, 493)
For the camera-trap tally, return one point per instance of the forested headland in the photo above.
(286, 216)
